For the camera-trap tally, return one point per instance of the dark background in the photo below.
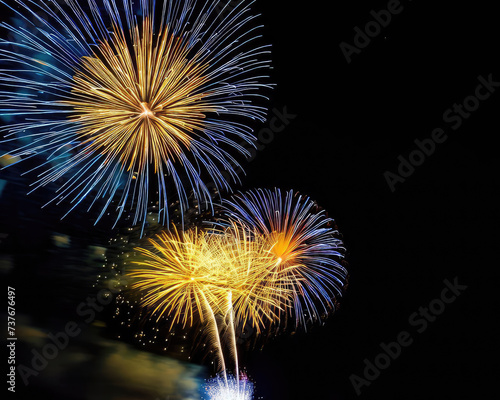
(352, 122)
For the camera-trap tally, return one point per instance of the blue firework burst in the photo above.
(131, 104)
(305, 242)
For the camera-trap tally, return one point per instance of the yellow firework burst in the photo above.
(186, 273)
(198, 275)
(254, 295)
(142, 106)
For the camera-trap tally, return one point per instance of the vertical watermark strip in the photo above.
(87, 310)
(11, 339)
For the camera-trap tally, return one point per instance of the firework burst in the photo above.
(269, 257)
(306, 275)
(217, 277)
(183, 274)
(119, 101)
(233, 389)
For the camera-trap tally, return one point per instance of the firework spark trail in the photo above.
(215, 336)
(232, 338)
(110, 99)
(306, 274)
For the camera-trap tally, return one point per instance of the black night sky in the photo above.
(349, 131)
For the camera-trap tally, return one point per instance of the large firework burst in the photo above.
(270, 256)
(216, 277)
(307, 271)
(112, 96)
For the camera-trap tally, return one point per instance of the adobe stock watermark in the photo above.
(59, 341)
(420, 321)
(453, 117)
(225, 7)
(363, 37)
(280, 120)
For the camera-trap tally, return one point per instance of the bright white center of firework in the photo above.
(218, 389)
(147, 113)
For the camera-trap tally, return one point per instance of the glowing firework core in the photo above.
(284, 247)
(147, 113)
(229, 389)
